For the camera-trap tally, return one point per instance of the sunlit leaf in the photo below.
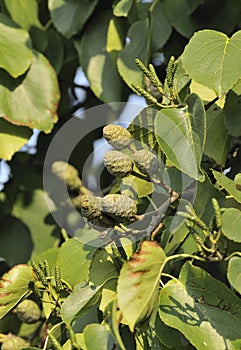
(234, 273)
(231, 223)
(14, 285)
(138, 283)
(212, 59)
(15, 46)
(181, 134)
(203, 309)
(12, 138)
(228, 185)
(122, 8)
(39, 91)
(96, 336)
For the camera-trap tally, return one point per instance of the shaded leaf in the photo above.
(102, 267)
(181, 135)
(96, 336)
(122, 8)
(161, 27)
(12, 138)
(140, 187)
(12, 231)
(217, 141)
(203, 309)
(231, 111)
(228, 185)
(98, 64)
(39, 91)
(212, 59)
(74, 259)
(54, 50)
(234, 273)
(138, 283)
(138, 47)
(70, 16)
(183, 23)
(80, 301)
(15, 46)
(231, 223)
(14, 286)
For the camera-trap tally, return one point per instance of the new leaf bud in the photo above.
(146, 162)
(118, 163)
(119, 207)
(117, 136)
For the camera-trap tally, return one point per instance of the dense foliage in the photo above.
(153, 261)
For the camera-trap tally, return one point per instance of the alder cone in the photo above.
(117, 136)
(119, 207)
(118, 163)
(146, 162)
(28, 311)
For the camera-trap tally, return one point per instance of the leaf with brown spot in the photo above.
(139, 282)
(14, 285)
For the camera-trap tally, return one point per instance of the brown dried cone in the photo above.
(117, 136)
(118, 163)
(68, 173)
(147, 162)
(119, 207)
(13, 342)
(28, 311)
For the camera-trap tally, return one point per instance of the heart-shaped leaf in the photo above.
(138, 283)
(14, 285)
(212, 59)
(39, 91)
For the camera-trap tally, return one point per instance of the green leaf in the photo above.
(102, 268)
(80, 342)
(14, 286)
(212, 59)
(138, 283)
(122, 8)
(232, 113)
(228, 185)
(231, 223)
(203, 309)
(39, 91)
(24, 13)
(115, 36)
(98, 64)
(70, 16)
(161, 27)
(74, 260)
(181, 135)
(234, 273)
(96, 336)
(218, 140)
(138, 47)
(15, 46)
(12, 231)
(180, 17)
(80, 301)
(54, 50)
(142, 188)
(12, 138)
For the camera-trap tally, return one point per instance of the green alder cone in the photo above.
(146, 162)
(237, 181)
(117, 136)
(91, 207)
(119, 207)
(28, 311)
(68, 173)
(118, 163)
(13, 342)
